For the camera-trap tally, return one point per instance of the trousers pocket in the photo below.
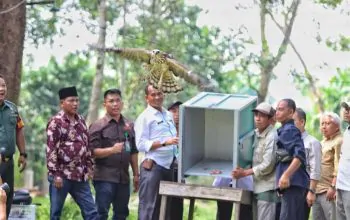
(147, 164)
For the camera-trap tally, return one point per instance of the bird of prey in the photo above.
(160, 67)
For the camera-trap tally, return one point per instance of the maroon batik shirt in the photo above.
(67, 153)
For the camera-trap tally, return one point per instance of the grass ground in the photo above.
(204, 210)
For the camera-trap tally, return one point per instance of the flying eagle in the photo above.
(161, 68)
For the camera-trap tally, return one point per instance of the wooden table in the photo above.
(192, 192)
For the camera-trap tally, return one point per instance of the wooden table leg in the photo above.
(163, 205)
(236, 211)
(191, 209)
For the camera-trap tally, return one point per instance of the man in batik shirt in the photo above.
(69, 160)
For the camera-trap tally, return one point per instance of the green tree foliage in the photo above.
(46, 21)
(333, 93)
(39, 101)
(342, 44)
(337, 89)
(42, 22)
(332, 3)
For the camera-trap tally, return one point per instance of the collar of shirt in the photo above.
(109, 118)
(304, 135)
(333, 136)
(122, 122)
(154, 111)
(287, 123)
(5, 104)
(65, 117)
(264, 133)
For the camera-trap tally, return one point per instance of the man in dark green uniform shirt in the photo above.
(11, 134)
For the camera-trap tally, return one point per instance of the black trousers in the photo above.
(225, 211)
(306, 209)
(293, 203)
(7, 175)
(177, 204)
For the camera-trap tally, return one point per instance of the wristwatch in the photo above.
(333, 186)
(312, 191)
(164, 144)
(23, 154)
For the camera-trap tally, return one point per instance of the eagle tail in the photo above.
(166, 83)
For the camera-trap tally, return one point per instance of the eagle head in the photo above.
(155, 52)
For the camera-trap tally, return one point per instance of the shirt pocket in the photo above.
(328, 155)
(12, 120)
(259, 152)
(159, 125)
(109, 136)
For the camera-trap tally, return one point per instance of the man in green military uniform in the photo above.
(11, 134)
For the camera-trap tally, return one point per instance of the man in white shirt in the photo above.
(343, 177)
(156, 136)
(313, 152)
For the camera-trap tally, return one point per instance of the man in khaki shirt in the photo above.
(324, 206)
(263, 170)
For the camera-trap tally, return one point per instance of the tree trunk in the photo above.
(315, 92)
(269, 61)
(265, 53)
(97, 84)
(122, 76)
(265, 77)
(12, 30)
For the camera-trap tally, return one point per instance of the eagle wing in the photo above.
(194, 78)
(177, 68)
(134, 54)
(181, 71)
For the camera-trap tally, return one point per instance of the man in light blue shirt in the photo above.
(156, 136)
(343, 177)
(313, 153)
